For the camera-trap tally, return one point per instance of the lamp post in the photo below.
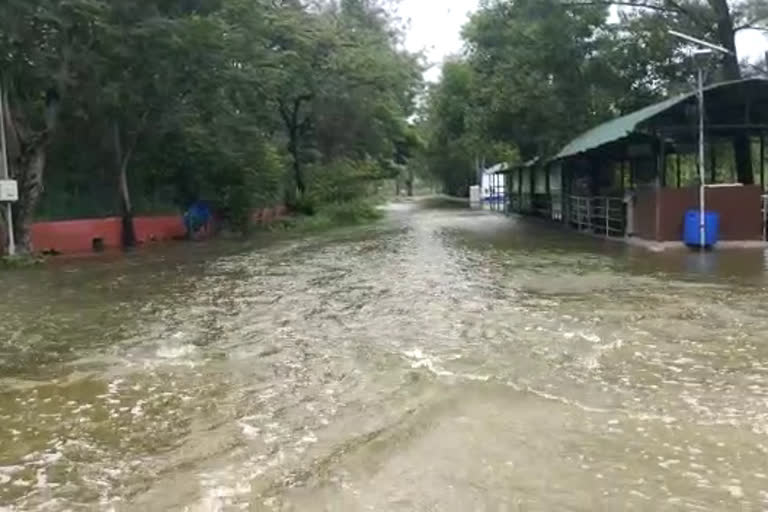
(4, 175)
(704, 48)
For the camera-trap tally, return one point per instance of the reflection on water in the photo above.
(442, 360)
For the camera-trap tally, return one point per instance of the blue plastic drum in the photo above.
(691, 234)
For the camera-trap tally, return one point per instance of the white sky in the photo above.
(435, 28)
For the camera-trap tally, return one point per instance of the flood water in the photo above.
(442, 359)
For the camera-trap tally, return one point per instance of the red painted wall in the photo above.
(76, 236)
(73, 236)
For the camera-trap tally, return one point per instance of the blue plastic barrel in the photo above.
(691, 235)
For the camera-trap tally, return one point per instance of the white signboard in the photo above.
(9, 191)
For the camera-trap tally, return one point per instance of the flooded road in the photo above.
(442, 359)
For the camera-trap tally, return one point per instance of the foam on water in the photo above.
(171, 350)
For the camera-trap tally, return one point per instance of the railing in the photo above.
(765, 216)
(497, 200)
(599, 215)
(520, 203)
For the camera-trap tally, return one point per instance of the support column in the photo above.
(679, 175)
(532, 190)
(493, 192)
(623, 170)
(762, 161)
(549, 191)
(657, 220)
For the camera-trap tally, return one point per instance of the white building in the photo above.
(494, 185)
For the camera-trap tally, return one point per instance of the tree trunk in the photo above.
(27, 152)
(126, 208)
(29, 174)
(409, 181)
(298, 174)
(294, 128)
(727, 37)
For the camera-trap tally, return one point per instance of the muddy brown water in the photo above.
(442, 359)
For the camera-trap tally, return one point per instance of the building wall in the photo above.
(739, 207)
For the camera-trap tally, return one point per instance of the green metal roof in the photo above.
(617, 128)
(623, 126)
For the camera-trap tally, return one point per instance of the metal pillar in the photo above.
(762, 161)
(662, 166)
(702, 177)
(547, 178)
(5, 174)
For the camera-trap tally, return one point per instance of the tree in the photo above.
(715, 20)
(543, 70)
(342, 87)
(408, 147)
(43, 44)
(147, 102)
(534, 62)
(449, 132)
(149, 55)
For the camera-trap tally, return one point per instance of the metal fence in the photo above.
(598, 215)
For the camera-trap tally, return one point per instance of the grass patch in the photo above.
(329, 216)
(21, 261)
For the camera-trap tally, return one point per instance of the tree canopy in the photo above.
(124, 106)
(535, 73)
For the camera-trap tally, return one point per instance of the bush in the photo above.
(234, 183)
(354, 212)
(341, 181)
(340, 193)
(340, 214)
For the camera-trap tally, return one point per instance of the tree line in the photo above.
(119, 106)
(536, 73)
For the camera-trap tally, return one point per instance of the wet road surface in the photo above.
(442, 359)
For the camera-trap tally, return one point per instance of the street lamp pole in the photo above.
(702, 173)
(5, 175)
(703, 48)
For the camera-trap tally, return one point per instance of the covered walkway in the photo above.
(636, 175)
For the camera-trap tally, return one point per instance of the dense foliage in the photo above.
(536, 73)
(124, 106)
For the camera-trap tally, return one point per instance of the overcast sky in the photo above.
(435, 27)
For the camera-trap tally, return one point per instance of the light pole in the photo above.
(704, 48)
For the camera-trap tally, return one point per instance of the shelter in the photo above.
(523, 183)
(494, 186)
(637, 175)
